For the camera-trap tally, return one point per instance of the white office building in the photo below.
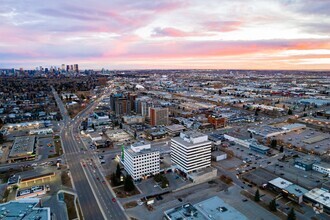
(141, 161)
(191, 151)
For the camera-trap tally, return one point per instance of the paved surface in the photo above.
(94, 198)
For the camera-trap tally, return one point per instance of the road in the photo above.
(95, 199)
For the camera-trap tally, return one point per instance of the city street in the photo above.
(85, 188)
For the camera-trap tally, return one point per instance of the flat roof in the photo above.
(293, 126)
(296, 190)
(186, 143)
(306, 160)
(24, 209)
(258, 146)
(218, 153)
(133, 153)
(216, 208)
(280, 183)
(175, 127)
(216, 137)
(315, 139)
(323, 164)
(22, 146)
(186, 211)
(320, 196)
(266, 130)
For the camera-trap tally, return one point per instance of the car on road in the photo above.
(113, 199)
(244, 200)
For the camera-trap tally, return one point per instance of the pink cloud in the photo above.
(205, 49)
(170, 32)
(174, 32)
(222, 26)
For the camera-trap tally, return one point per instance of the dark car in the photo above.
(180, 200)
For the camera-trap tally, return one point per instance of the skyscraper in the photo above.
(76, 69)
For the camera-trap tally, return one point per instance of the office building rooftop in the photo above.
(23, 209)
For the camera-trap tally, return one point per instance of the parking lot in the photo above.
(45, 147)
(206, 190)
(307, 179)
(151, 187)
(230, 164)
(259, 176)
(304, 139)
(245, 154)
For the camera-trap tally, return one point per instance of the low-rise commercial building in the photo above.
(262, 149)
(95, 136)
(287, 189)
(267, 131)
(212, 208)
(218, 155)
(43, 131)
(304, 163)
(174, 130)
(322, 167)
(294, 127)
(319, 199)
(23, 148)
(216, 138)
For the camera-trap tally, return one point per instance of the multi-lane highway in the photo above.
(94, 195)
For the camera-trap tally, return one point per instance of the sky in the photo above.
(166, 34)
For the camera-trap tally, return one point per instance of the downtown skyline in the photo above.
(166, 34)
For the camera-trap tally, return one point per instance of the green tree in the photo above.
(118, 172)
(158, 177)
(128, 184)
(2, 138)
(165, 182)
(290, 112)
(273, 143)
(114, 180)
(257, 196)
(291, 215)
(272, 205)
